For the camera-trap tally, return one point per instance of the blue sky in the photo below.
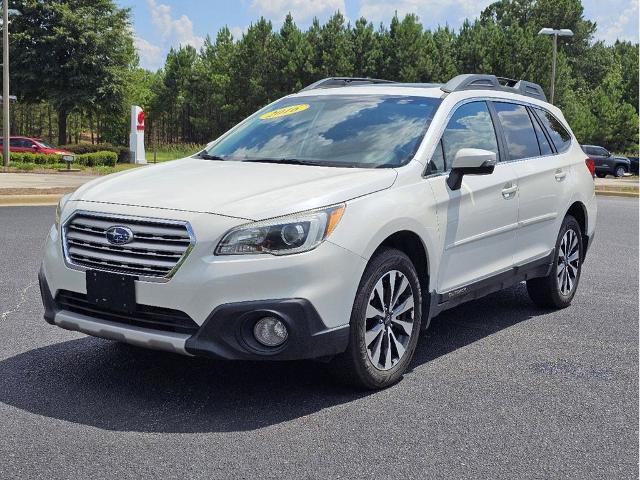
(160, 24)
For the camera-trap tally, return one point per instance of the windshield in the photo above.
(349, 131)
(44, 144)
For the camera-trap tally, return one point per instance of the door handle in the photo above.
(509, 191)
(560, 175)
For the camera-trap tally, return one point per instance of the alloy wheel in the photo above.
(389, 320)
(568, 262)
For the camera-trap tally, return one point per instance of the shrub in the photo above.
(37, 158)
(83, 148)
(94, 159)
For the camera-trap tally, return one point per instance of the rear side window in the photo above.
(559, 135)
(518, 130)
(469, 127)
(543, 141)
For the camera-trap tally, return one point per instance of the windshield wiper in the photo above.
(206, 156)
(288, 161)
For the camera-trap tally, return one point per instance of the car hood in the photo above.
(248, 190)
(621, 157)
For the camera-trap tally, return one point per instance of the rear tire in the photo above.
(557, 289)
(385, 323)
(601, 175)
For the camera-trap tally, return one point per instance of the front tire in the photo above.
(620, 171)
(557, 289)
(385, 323)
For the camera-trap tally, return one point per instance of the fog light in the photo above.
(270, 332)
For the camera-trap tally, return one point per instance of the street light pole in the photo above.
(553, 66)
(5, 82)
(563, 32)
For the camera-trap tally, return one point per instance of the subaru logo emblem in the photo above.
(119, 235)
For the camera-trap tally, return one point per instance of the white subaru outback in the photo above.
(334, 224)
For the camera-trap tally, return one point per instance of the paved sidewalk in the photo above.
(38, 188)
(43, 180)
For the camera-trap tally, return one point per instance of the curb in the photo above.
(617, 193)
(29, 200)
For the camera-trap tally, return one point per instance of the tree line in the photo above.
(76, 73)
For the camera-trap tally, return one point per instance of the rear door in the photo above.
(477, 222)
(542, 176)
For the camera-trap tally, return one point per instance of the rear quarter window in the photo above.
(560, 137)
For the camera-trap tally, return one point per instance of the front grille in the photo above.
(146, 316)
(157, 247)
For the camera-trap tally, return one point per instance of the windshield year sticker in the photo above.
(283, 112)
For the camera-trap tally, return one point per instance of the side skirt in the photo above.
(439, 302)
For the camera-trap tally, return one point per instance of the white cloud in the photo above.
(431, 13)
(302, 10)
(151, 56)
(237, 31)
(174, 30)
(616, 19)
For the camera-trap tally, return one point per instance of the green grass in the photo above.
(164, 153)
(172, 152)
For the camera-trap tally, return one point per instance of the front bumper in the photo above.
(312, 292)
(226, 333)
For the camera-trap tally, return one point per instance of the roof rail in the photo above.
(333, 82)
(471, 81)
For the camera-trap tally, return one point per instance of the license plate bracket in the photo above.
(111, 291)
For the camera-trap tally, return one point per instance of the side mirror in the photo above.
(35, 147)
(470, 161)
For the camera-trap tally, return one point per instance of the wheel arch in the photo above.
(578, 210)
(412, 245)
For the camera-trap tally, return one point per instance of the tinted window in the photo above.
(518, 130)
(336, 130)
(543, 142)
(15, 142)
(469, 127)
(601, 151)
(559, 135)
(437, 160)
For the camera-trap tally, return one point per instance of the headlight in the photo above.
(284, 235)
(59, 208)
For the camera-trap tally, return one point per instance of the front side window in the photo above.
(469, 127)
(602, 151)
(559, 135)
(371, 131)
(518, 130)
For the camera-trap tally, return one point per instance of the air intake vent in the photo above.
(146, 247)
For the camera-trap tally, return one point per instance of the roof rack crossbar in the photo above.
(333, 82)
(473, 81)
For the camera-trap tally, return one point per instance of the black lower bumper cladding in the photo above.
(228, 331)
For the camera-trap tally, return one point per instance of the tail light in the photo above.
(591, 165)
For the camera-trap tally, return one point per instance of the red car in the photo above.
(32, 145)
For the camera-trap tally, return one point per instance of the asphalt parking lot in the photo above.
(498, 389)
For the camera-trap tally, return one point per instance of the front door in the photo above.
(477, 223)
